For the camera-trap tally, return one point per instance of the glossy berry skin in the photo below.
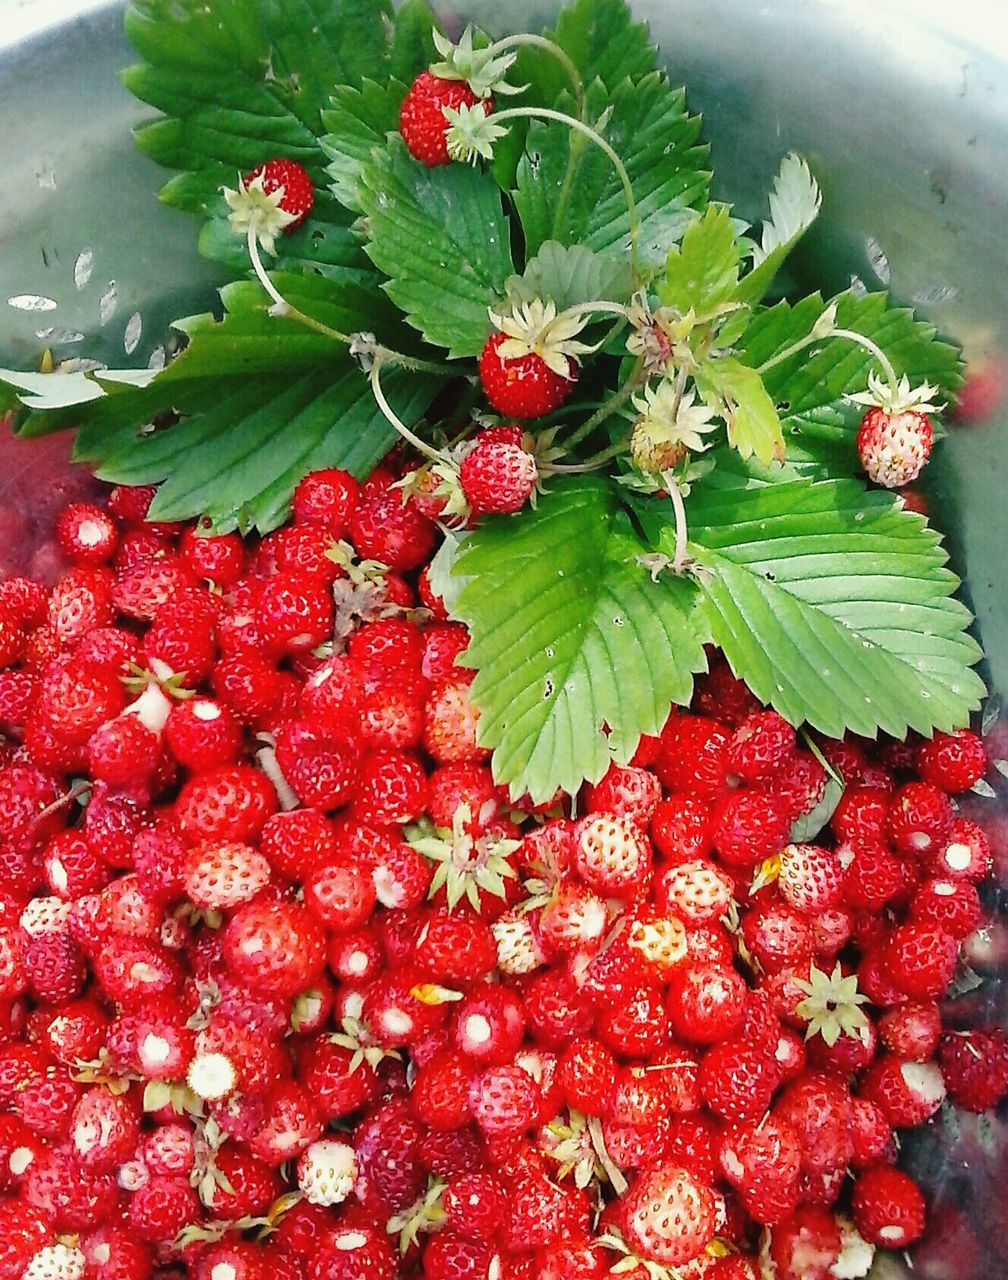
(422, 122)
(299, 191)
(668, 1216)
(497, 477)
(326, 499)
(953, 761)
(975, 1068)
(523, 387)
(894, 447)
(888, 1207)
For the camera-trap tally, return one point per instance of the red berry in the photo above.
(525, 386)
(894, 447)
(888, 1207)
(422, 121)
(298, 191)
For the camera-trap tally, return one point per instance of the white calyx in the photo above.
(253, 210)
(482, 69)
(898, 399)
(471, 133)
(211, 1076)
(327, 1171)
(535, 328)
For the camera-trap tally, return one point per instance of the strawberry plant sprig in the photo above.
(437, 244)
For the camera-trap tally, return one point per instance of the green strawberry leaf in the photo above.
(571, 275)
(442, 238)
(570, 633)
(794, 206)
(239, 81)
(356, 123)
(807, 825)
(567, 189)
(835, 606)
(701, 274)
(225, 460)
(262, 400)
(737, 392)
(823, 374)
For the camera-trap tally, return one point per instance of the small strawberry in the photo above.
(888, 1207)
(327, 1171)
(668, 1215)
(528, 368)
(289, 184)
(162, 1207)
(422, 121)
(497, 477)
(975, 1067)
(274, 947)
(953, 761)
(907, 1093)
(894, 446)
(612, 855)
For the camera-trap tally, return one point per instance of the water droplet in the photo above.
(925, 693)
(83, 267)
(45, 174)
(877, 259)
(31, 302)
(859, 516)
(780, 688)
(131, 337)
(55, 335)
(826, 671)
(108, 302)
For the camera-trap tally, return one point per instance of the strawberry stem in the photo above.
(548, 46)
(284, 306)
(420, 445)
(850, 335)
(680, 560)
(561, 117)
(607, 408)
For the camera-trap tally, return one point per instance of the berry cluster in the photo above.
(289, 986)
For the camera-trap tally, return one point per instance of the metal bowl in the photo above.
(901, 106)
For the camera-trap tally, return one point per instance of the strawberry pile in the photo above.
(290, 987)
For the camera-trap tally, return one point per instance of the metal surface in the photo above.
(901, 107)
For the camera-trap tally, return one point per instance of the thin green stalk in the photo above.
(850, 335)
(560, 117)
(421, 446)
(680, 560)
(287, 308)
(541, 42)
(607, 408)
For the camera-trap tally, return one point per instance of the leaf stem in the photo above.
(873, 349)
(285, 307)
(851, 335)
(579, 126)
(548, 46)
(593, 463)
(680, 560)
(607, 408)
(420, 445)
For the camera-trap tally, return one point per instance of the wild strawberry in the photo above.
(760, 746)
(123, 750)
(326, 498)
(337, 1087)
(442, 644)
(697, 892)
(392, 789)
(974, 1065)
(668, 1215)
(612, 855)
(818, 1108)
(911, 1030)
(748, 826)
(386, 529)
(326, 1172)
(888, 1207)
(633, 1021)
(104, 1129)
(230, 803)
(919, 820)
(705, 1002)
(292, 180)
(952, 905)
(894, 446)
(504, 1100)
(806, 1245)
(203, 734)
(86, 534)
(693, 756)
(874, 877)
(141, 591)
(953, 761)
(488, 1025)
(56, 968)
(738, 1079)
(222, 874)
(275, 947)
(519, 950)
(497, 477)
(524, 385)
(451, 722)
(422, 122)
(353, 1251)
(680, 829)
(162, 1207)
(76, 698)
(244, 1186)
(908, 1093)
(966, 856)
(658, 942)
(295, 843)
(921, 959)
(81, 601)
